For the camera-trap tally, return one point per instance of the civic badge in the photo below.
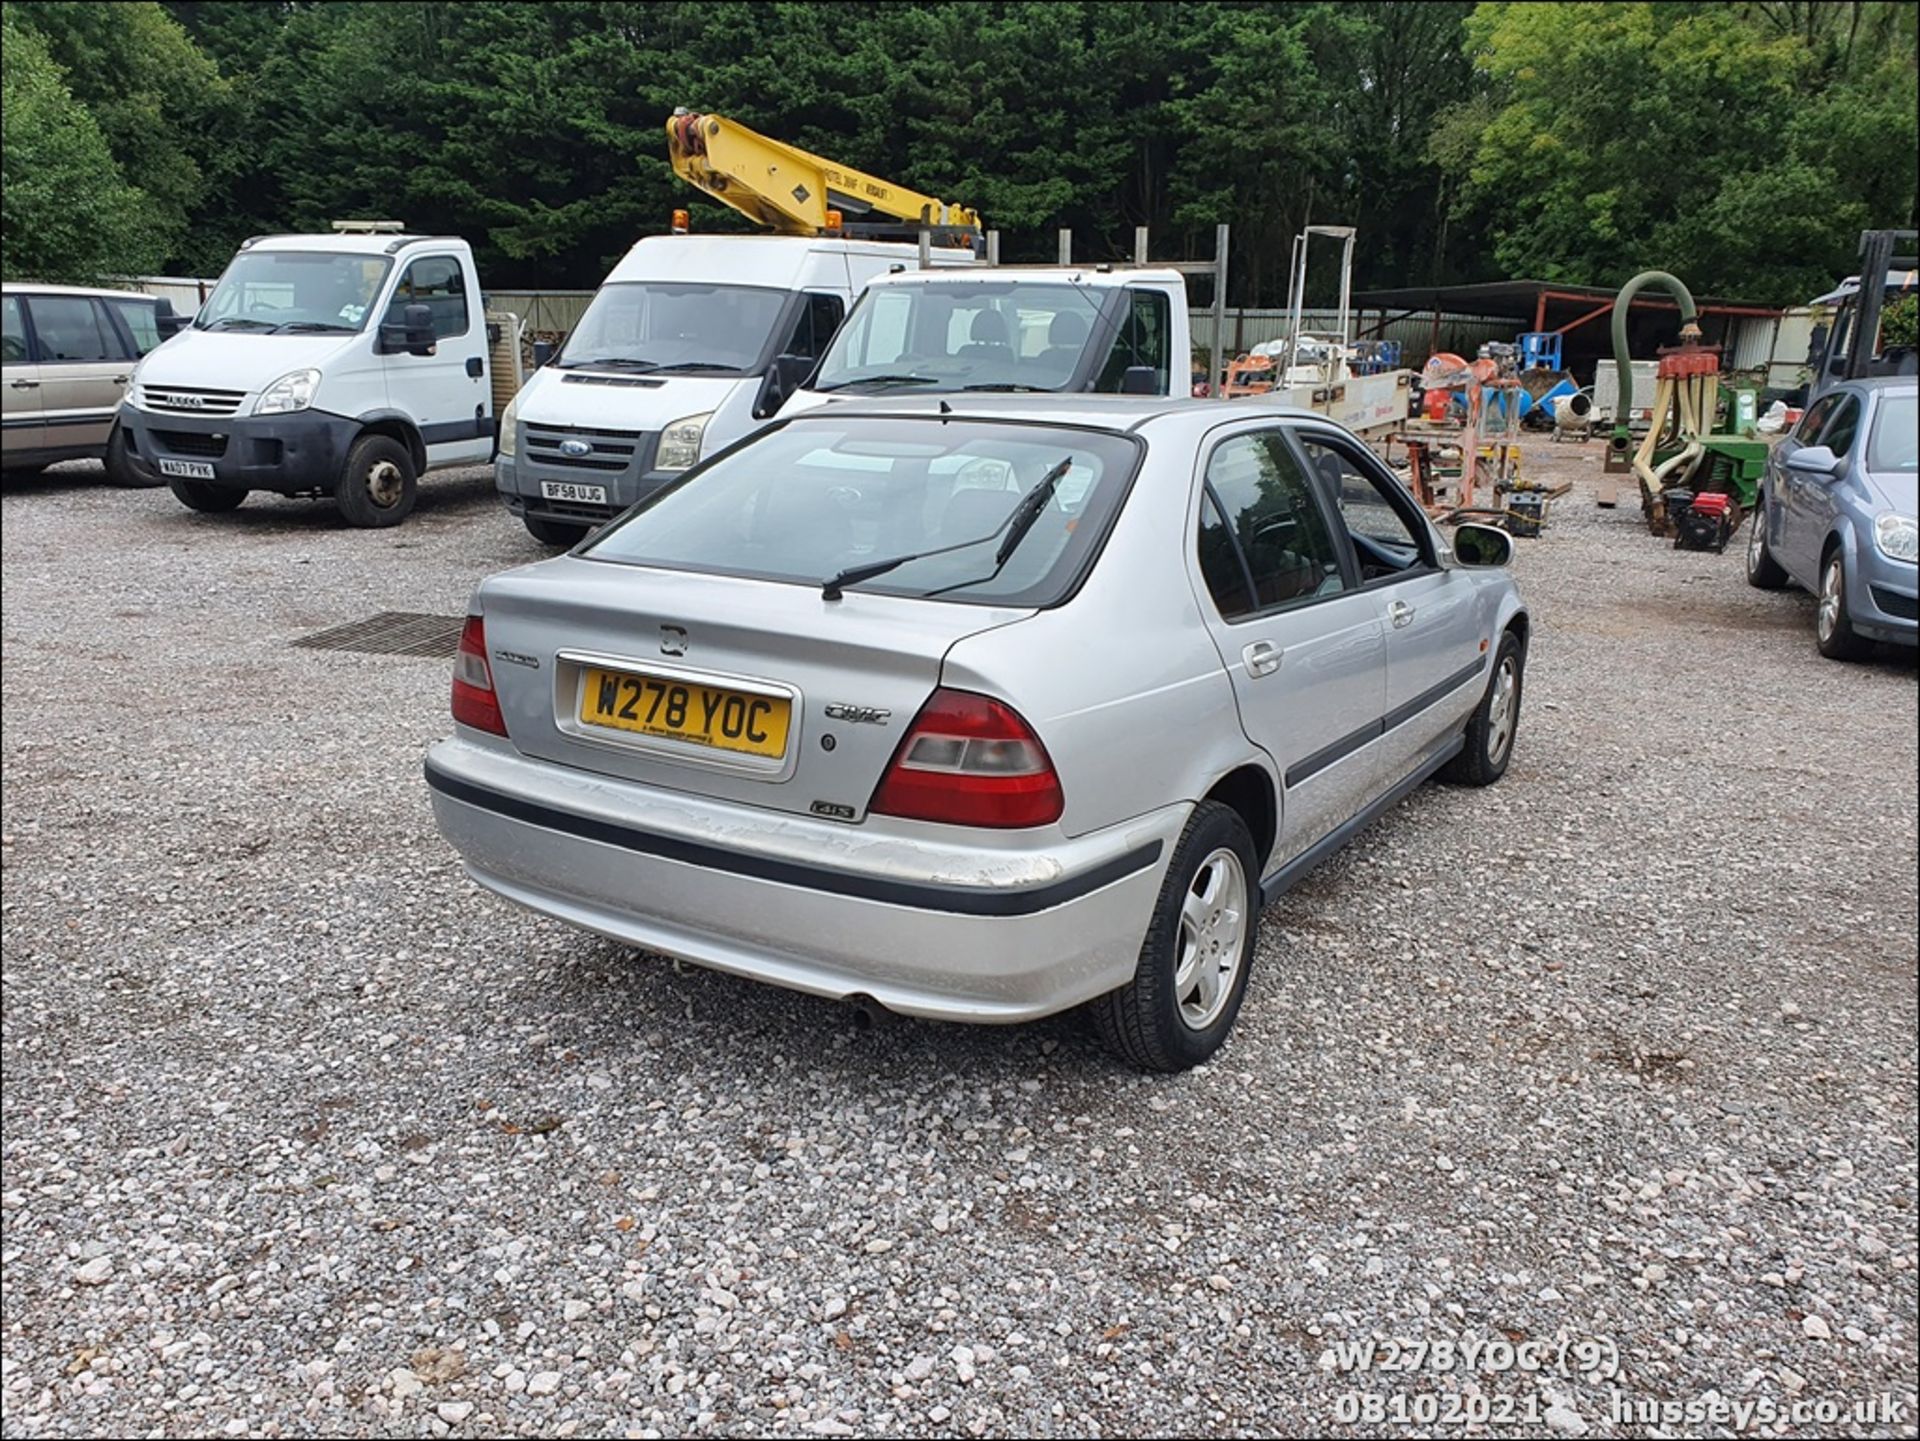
(673, 640)
(575, 448)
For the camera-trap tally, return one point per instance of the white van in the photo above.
(1065, 329)
(691, 343)
(345, 364)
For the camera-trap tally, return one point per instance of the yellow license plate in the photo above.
(701, 715)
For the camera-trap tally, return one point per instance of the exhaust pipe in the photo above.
(869, 1014)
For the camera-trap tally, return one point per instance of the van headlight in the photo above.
(680, 442)
(510, 426)
(293, 391)
(1898, 537)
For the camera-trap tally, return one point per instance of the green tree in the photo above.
(1743, 156)
(167, 114)
(65, 212)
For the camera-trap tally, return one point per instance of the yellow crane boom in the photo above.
(791, 190)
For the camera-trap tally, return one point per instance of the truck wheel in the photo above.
(202, 496)
(378, 485)
(553, 532)
(1192, 973)
(120, 467)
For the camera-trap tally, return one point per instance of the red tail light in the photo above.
(968, 760)
(474, 703)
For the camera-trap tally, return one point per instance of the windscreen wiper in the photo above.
(1008, 385)
(882, 380)
(611, 362)
(310, 326)
(1018, 522)
(240, 320)
(698, 365)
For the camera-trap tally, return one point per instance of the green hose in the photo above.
(1689, 319)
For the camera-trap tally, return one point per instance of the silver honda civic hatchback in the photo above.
(980, 709)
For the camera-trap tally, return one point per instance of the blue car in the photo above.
(1837, 516)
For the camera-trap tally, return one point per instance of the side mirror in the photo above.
(542, 353)
(1140, 380)
(166, 320)
(1813, 460)
(786, 375)
(1483, 547)
(411, 335)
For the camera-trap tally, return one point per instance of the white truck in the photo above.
(691, 343)
(346, 365)
(1065, 329)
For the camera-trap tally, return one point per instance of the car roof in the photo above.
(1098, 276)
(1101, 412)
(1881, 384)
(34, 287)
(379, 242)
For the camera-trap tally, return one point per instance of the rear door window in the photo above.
(141, 323)
(13, 348)
(73, 328)
(1264, 540)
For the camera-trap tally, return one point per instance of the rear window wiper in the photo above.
(1018, 522)
(881, 380)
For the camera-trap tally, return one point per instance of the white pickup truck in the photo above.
(1065, 329)
(344, 365)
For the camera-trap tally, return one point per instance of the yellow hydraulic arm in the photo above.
(791, 190)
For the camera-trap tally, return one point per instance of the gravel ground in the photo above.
(305, 1135)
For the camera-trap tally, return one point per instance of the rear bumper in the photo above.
(293, 454)
(926, 927)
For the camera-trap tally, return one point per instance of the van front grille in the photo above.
(179, 400)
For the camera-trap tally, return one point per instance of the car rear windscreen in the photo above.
(823, 495)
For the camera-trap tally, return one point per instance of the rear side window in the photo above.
(1838, 436)
(1264, 540)
(72, 328)
(437, 282)
(821, 495)
(14, 346)
(141, 323)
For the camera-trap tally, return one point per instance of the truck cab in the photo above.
(691, 343)
(345, 365)
(1061, 329)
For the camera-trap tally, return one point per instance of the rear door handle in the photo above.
(122, 379)
(1262, 658)
(1400, 613)
(24, 384)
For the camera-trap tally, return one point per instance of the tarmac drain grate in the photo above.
(392, 632)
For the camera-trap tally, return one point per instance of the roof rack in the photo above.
(367, 227)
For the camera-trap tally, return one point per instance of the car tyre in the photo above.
(1833, 628)
(1763, 571)
(554, 532)
(1495, 723)
(204, 496)
(378, 484)
(121, 470)
(1192, 971)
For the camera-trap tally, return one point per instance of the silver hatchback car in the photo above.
(980, 709)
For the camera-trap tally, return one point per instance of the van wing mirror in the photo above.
(412, 334)
(542, 353)
(166, 320)
(786, 375)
